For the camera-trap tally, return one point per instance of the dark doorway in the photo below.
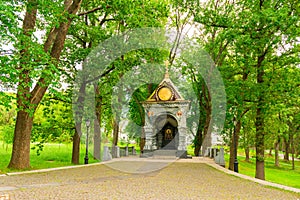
(166, 137)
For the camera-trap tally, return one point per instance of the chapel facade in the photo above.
(165, 119)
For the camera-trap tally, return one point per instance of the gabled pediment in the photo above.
(165, 91)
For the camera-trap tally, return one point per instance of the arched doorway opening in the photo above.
(166, 127)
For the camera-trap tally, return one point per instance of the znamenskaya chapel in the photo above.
(165, 120)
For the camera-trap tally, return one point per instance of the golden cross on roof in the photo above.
(167, 69)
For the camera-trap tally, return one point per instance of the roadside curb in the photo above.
(60, 168)
(49, 169)
(262, 182)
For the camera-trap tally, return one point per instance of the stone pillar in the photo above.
(160, 137)
(219, 159)
(154, 142)
(117, 149)
(215, 152)
(106, 154)
(176, 138)
(182, 138)
(148, 138)
(207, 152)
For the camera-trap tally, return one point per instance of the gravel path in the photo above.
(149, 180)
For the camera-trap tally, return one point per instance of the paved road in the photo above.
(179, 180)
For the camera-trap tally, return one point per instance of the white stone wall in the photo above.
(160, 109)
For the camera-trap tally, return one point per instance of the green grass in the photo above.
(53, 155)
(190, 150)
(282, 175)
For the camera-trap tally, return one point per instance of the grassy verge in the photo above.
(282, 175)
(53, 155)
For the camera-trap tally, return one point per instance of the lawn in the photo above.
(53, 155)
(283, 175)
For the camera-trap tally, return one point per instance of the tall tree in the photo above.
(258, 31)
(111, 19)
(30, 61)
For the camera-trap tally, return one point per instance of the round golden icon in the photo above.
(168, 134)
(164, 93)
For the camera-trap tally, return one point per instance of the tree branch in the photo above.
(102, 75)
(92, 10)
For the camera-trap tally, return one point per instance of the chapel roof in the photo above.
(166, 90)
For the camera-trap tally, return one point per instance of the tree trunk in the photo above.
(259, 122)
(292, 149)
(142, 141)
(115, 137)
(97, 140)
(270, 151)
(116, 133)
(276, 147)
(197, 143)
(286, 149)
(260, 148)
(97, 124)
(247, 153)
(260, 170)
(21, 144)
(206, 135)
(79, 107)
(231, 154)
(234, 144)
(293, 161)
(20, 157)
(198, 139)
(76, 144)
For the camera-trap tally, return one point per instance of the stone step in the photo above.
(165, 153)
(164, 157)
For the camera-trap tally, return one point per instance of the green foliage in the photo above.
(53, 122)
(7, 120)
(7, 133)
(244, 39)
(116, 18)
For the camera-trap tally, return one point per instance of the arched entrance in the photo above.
(166, 132)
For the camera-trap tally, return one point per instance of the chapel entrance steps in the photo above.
(165, 154)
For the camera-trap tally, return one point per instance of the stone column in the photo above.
(207, 152)
(106, 154)
(176, 139)
(117, 149)
(148, 138)
(182, 138)
(160, 137)
(219, 159)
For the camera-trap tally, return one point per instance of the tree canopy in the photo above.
(45, 45)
